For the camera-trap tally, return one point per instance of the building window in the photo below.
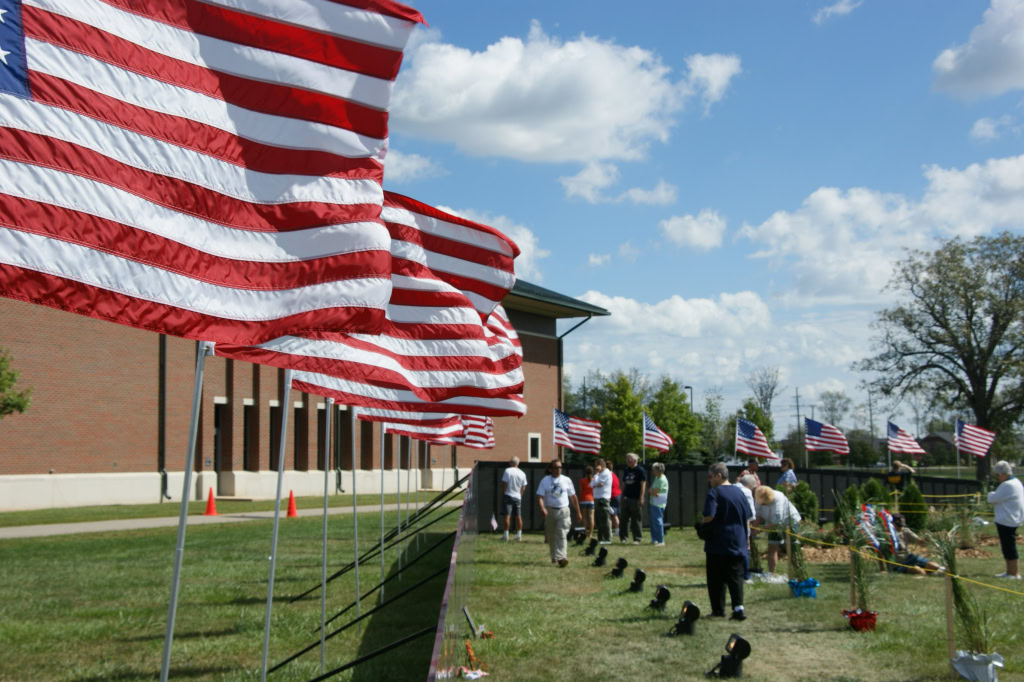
(275, 433)
(534, 453)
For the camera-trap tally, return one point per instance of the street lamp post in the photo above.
(690, 388)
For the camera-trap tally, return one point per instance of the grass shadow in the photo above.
(124, 675)
(184, 635)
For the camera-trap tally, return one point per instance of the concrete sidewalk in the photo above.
(45, 530)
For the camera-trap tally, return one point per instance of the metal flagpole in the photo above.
(554, 448)
(355, 515)
(419, 496)
(383, 432)
(427, 448)
(179, 550)
(277, 516)
(398, 489)
(956, 440)
(323, 568)
(408, 478)
(643, 448)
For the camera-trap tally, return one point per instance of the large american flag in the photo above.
(440, 431)
(655, 437)
(210, 170)
(751, 441)
(903, 442)
(449, 275)
(825, 437)
(477, 432)
(973, 439)
(576, 433)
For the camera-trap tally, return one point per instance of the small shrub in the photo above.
(975, 625)
(850, 502)
(913, 506)
(806, 502)
(873, 492)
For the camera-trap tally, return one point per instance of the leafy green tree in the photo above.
(669, 409)
(620, 421)
(11, 401)
(862, 448)
(712, 426)
(959, 331)
(913, 507)
(806, 502)
(873, 492)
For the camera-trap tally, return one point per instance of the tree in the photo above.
(712, 426)
(620, 421)
(959, 331)
(669, 409)
(764, 384)
(11, 401)
(835, 405)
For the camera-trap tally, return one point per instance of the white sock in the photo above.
(519, 534)
(738, 608)
(505, 535)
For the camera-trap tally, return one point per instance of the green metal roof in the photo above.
(531, 298)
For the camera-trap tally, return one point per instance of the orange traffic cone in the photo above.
(211, 506)
(292, 512)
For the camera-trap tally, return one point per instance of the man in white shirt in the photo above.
(602, 485)
(1008, 504)
(554, 494)
(513, 485)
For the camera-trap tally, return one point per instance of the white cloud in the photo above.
(991, 62)
(399, 167)
(628, 252)
(839, 9)
(530, 251)
(703, 231)
(986, 129)
(595, 178)
(710, 75)
(598, 259)
(541, 99)
(590, 183)
(840, 245)
(731, 314)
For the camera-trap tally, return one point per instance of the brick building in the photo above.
(110, 411)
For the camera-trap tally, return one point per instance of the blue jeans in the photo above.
(657, 517)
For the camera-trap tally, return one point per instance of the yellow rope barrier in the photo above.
(894, 563)
(957, 495)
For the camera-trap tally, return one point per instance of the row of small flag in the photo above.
(584, 435)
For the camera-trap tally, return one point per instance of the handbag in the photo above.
(706, 530)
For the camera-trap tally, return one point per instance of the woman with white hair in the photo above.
(774, 510)
(1008, 501)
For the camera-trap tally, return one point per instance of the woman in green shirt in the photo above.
(659, 498)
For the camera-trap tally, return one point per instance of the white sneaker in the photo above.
(659, 544)
(1004, 575)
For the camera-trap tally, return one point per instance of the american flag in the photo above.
(751, 441)
(445, 431)
(576, 433)
(655, 437)
(973, 439)
(388, 402)
(825, 437)
(477, 432)
(195, 169)
(449, 275)
(901, 441)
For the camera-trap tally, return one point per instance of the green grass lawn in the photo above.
(93, 607)
(575, 623)
(146, 511)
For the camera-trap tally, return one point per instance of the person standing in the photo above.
(587, 500)
(725, 507)
(1008, 503)
(774, 510)
(634, 484)
(787, 480)
(752, 470)
(602, 485)
(659, 499)
(513, 485)
(616, 499)
(554, 494)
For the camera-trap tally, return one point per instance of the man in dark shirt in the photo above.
(634, 484)
(726, 508)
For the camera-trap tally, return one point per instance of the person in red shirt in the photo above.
(587, 500)
(616, 498)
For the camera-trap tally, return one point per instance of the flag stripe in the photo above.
(972, 439)
(273, 98)
(33, 286)
(259, 65)
(188, 134)
(254, 31)
(902, 442)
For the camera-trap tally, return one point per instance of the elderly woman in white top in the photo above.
(774, 510)
(1008, 502)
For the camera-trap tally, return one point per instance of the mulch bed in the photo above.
(841, 555)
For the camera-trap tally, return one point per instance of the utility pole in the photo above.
(871, 423)
(799, 423)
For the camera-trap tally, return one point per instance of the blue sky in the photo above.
(733, 180)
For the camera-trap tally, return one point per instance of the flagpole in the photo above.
(383, 432)
(398, 490)
(179, 550)
(355, 514)
(956, 441)
(323, 567)
(643, 448)
(285, 399)
(419, 496)
(554, 448)
(735, 437)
